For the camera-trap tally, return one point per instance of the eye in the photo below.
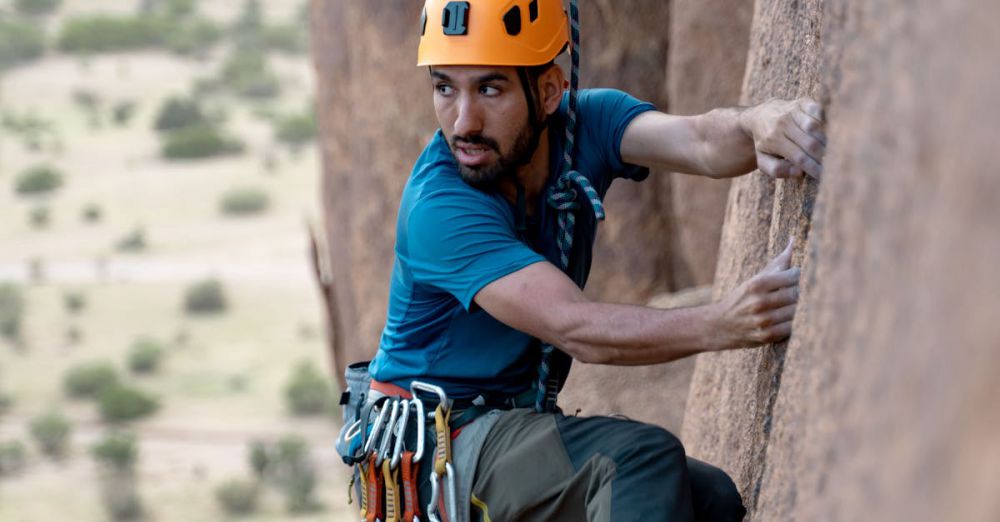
(489, 90)
(444, 89)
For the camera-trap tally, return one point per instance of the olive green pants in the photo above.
(550, 467)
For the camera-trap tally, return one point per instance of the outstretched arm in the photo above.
(784, 139)
(543, 302)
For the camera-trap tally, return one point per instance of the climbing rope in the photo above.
(564, 198)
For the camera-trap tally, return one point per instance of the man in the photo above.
(484, 281)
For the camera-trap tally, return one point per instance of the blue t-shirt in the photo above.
(453, 239)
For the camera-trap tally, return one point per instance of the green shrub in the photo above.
(247, 73)
(145, 356)
(244, 201)
(91, 213)
(12, 307)
(122, 403)
(237, 496)
(12, 457)
(105, 33)
(122, 112)
(118, 451)
(52, 433)
(89, 380)
(20, 42)
(6, 403)
(296, 130)
(36, 7)
(308, 392)
(134, 241)
(205, 297)
(38, 217)
(121, 498)
(74, 302)
(192, 37)
(295, 474)
(259, 455)
(168, 8)
(200, 141)
(38, 179)
(177, 113)
(287, 38)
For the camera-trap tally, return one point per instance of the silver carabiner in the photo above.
(376, 429)
(397, 451)
(416, 386)
(432, 506)
(450, 492)
(383, 450)
(421, 427)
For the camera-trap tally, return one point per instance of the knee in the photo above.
(717, 498)
(654, 444)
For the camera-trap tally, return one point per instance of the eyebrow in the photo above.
(491, 77)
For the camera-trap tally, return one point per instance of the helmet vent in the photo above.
(533, 11)
(512, 21)
(423, 22)
(455, 18)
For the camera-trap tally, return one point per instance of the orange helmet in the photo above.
(492, 32)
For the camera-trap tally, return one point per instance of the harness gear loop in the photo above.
(554, 365)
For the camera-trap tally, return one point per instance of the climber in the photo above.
(493, 246)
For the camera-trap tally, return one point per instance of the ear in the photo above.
(551, 85)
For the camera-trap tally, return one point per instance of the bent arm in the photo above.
(542, 301)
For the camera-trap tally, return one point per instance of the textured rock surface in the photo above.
(882, 405)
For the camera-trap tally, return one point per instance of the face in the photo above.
(484, 117)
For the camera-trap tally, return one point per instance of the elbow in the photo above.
(567, 334)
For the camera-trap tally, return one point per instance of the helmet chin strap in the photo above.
(538, 125)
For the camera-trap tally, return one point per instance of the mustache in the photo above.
(475, 139)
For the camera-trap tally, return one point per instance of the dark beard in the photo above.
(487, 178)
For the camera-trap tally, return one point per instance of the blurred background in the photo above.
(162, 345)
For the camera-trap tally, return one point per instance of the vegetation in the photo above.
(105, 33)
(30, 127)
(145, 356)
(74, 302)
(193, 37)
(6, 403)
(89, 380)
(91, 213)
(52, 432)
(244, 201)
(36, 7)
(117, 451)
(247, 73)
(121, 499)
(38, 217)
(287, 38)
(12, 457)
(308, 392)
(12, 309)
(238, 496)
(287, 465)
(296, 130)
(200, 141)
(38, 179)
(20, 42)
(134, 241)
(122, 112)
(123, 403)
(178, 113)
(205, 297)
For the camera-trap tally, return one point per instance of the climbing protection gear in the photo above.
(554, 366)
(492, 32)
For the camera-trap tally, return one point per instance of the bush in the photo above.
(296, 130)
(6, 403)
(52, 432)
(201, 141)
(20, 42)
(134, 241)
(117, 450)
(11, 311)
(145, 356)
(12, 457)
(91, 213)
(122, 112)
(259, 455)
(38, 179)
(192, 37)
(288, 38)
(121, 499)
(177, 113)
(206, 297)
(104, 33)
(238, 496)
(122, 403)
(36, 7)
(308, 392)
(89, 380)
(288, 465)
(38, 217)
(74, 302)
(244, 201)
(247, 73)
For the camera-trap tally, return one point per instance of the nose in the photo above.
(469, 119)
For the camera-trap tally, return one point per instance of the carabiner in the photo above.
(383, 450)
(400, 434)
(376, 429)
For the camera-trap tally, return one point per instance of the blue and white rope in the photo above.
(565, 199)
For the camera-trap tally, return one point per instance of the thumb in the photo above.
(783, 260)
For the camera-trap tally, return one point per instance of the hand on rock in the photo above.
(788, 137)
(760, 310)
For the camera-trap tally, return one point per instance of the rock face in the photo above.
(882, 405)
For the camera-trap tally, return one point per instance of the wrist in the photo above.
(713, 338)
(746, 120)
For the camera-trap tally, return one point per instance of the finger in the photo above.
(781, 315)
(781, 261)
(776, 280)
(780, 298)
(811, 126)
(806, 141)
(777, 333)
(790, 151)
(810, 107)
(810, 162)
(773, 166)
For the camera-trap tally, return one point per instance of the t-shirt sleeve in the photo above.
(460, 243)
(605, 114)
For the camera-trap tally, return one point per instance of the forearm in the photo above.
(603, 333)
(725, 148)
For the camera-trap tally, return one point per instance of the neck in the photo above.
(532, 176)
